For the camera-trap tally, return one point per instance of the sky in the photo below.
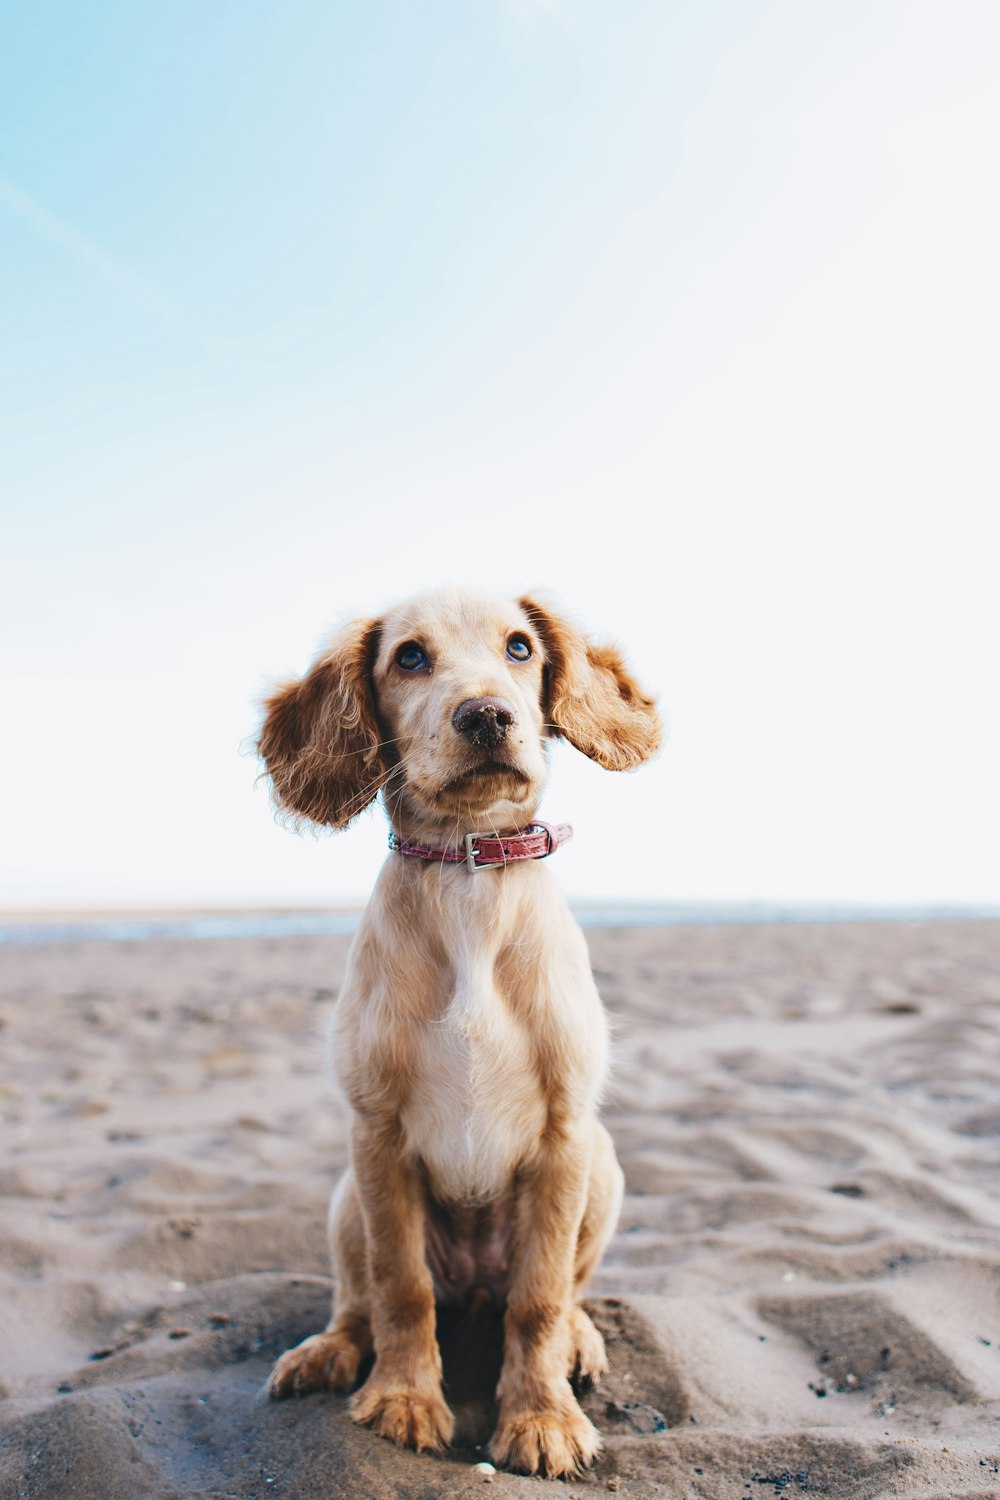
(687, 313)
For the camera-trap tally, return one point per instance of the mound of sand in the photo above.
(803, 1298)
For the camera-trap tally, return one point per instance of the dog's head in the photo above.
(446, 704)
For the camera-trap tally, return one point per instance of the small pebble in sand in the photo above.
(179, 1333)
(485, 1469)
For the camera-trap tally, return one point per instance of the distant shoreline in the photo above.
(33, 928)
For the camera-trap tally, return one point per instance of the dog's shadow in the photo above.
(641, 1392)
(471, 1353)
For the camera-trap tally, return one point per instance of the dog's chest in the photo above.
(474, 1109)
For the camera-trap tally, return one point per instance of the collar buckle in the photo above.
(470, 855)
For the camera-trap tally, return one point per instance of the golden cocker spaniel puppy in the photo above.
(468, 1037)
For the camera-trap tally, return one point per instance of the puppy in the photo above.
(468, 1037)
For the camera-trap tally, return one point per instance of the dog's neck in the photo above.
(448, 831)
(483, 851)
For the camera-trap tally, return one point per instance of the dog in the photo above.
(468, 1037)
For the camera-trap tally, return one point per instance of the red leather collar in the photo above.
(483, 851)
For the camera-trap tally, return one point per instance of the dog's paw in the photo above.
(325, 1362)
(413, 1419)
(558, 1441)
(590, 1360)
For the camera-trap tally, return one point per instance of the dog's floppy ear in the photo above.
(320, 739)
(591, 698)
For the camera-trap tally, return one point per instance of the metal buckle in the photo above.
(470, 855)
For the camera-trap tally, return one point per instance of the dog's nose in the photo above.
(483, 721)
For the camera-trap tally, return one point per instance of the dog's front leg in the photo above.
(401, 1399)
(541, 1426)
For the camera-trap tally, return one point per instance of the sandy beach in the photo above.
(803, 1297)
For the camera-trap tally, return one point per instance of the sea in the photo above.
(21, 931)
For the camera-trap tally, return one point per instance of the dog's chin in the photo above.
(481, 788)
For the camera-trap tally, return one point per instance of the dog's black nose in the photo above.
(483, 721)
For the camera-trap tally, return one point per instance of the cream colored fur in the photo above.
(468, 1037)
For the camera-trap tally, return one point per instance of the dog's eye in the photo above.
(518, 648)
(410, 657)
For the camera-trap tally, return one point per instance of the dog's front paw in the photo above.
(415, 1419)
(325, 1362)
(556, 1440)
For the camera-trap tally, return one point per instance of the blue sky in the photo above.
(689, 313)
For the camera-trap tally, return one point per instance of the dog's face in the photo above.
(446, 704)
(457, 682)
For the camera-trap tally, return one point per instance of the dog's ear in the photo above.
(590, 697)
(320, 739)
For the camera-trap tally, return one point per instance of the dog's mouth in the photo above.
(487, 770)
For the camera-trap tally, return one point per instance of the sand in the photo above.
(803, 1297)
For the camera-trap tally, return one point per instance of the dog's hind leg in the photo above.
(588, 1360)
(329, 1361)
